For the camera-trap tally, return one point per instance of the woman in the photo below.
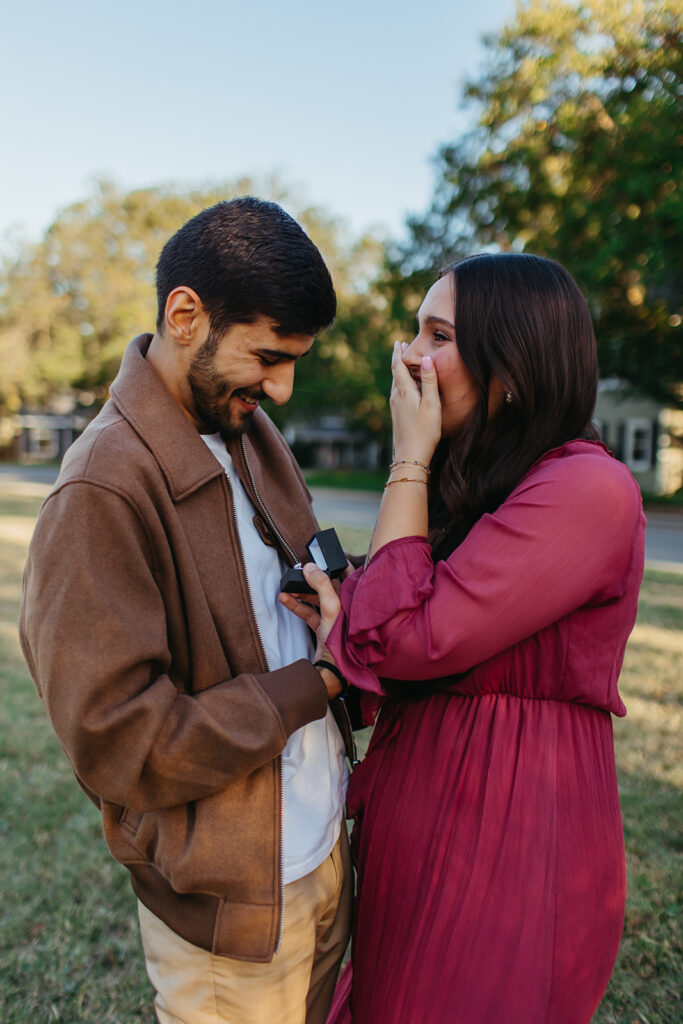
(491, 619)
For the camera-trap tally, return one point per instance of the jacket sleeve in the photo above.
(563, 539)
(94, 632)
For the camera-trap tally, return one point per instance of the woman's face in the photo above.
(436, 338)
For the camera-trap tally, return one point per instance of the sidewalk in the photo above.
(358, 509)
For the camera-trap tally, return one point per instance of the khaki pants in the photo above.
(195, 987)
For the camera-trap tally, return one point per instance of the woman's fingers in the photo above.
(430, 389)
(398, 367)
(431, 401)
(415, 407)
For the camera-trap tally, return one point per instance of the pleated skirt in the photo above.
(490, 858)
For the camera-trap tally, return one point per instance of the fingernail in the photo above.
(427, 363)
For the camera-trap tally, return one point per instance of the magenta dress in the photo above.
(488, 835)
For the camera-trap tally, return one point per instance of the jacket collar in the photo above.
(143, 400)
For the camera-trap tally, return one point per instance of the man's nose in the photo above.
(279, 383)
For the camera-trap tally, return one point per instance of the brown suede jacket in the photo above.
(138, 629)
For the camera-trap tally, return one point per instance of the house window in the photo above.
(638, 444)
(601, 427)
(42, 443)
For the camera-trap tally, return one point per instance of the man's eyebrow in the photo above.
(277, 353)
(437, 320)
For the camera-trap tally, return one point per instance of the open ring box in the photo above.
(327, 553)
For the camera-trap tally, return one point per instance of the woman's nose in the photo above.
(412, 353)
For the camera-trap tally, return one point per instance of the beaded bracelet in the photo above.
(407, 462)
(335, 672)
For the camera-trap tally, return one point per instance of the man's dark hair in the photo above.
(523, 320)
(247, 258)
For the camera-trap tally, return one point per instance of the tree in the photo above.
(70, 304)
(576, 156)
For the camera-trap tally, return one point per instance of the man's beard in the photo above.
(210, 391)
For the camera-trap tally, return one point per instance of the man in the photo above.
(183, 693)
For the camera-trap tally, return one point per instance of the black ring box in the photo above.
(326, 551)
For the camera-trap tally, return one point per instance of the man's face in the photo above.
(230, 374)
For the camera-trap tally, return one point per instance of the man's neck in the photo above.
(162, 359)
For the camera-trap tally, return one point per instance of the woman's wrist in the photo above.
(407, 471)
(405, 480)
(408, 462)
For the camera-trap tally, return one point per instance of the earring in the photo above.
(508, 398)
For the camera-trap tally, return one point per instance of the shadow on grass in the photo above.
(21, 505)
(69, 943)
(645, 982)
(661, 615)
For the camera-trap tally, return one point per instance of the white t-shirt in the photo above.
(314, 771)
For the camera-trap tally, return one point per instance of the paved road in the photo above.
(346, 508)
(664, 540)
(663, 537)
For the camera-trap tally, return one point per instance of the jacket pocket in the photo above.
(226, 845)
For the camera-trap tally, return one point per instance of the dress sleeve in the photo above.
(563, 539)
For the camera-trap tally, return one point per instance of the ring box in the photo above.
(326, 551)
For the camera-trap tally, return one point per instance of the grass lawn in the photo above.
(348, 479)
(69, 946)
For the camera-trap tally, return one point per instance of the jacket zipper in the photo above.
(278, 941)
(347, 731)
(294, 561)
(263, 508)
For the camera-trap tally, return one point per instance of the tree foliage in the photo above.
(576, 156)
(70, 303)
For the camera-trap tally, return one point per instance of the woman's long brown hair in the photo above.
(523, 320)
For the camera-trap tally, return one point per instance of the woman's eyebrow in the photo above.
(436, 320)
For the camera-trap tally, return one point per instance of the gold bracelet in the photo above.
(417, 469)
(420, 469)
(404, 480)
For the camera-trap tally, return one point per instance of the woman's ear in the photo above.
(497, 395)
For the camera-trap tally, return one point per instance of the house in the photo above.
(327, 443)
(643, 433)
(43, 435)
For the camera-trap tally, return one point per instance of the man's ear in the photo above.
(185, 318)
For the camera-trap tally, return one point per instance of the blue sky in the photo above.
(346, 102)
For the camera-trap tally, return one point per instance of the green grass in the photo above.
(664, 501)
(348, 479)
(69, 945)
(646, 982)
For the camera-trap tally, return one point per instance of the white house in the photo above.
(644, 434)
